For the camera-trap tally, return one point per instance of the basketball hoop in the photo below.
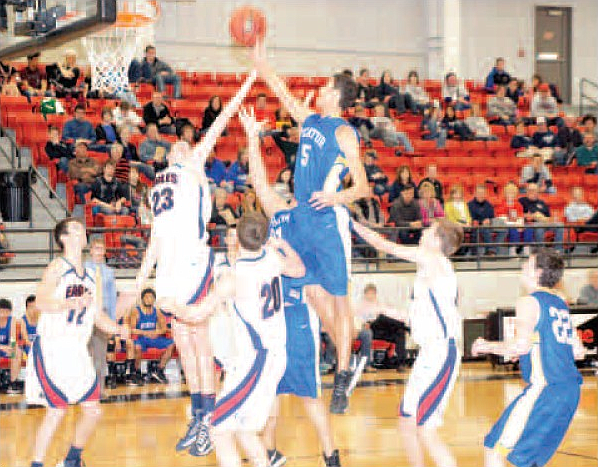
(111, 50)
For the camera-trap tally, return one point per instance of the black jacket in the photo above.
(151, 116)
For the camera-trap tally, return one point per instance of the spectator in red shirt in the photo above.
(122, 165)
(35, 76)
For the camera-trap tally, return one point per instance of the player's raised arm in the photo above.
(271, 201)
(292, 265)
(204, 148)
(408, 253)
(349, 144)
(527, 314)
(298, 110)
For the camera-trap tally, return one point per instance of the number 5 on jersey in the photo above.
(271, 295)
(305, 152)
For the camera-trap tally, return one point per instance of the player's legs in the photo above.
(46, 431)
(166, 356)
(226, 450)
(254, 448)
(437, 449)
(269, 433)
(15, 368)
(90, 415)
(316, 411)
(493, 459)
(411, 442)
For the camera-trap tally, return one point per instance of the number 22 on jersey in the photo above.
(271, 298)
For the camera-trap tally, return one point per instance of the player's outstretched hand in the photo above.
(479, 347)
(320, 200)
(250, 124)
(308, 98)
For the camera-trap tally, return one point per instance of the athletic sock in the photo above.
(74, 454)
(196, 402)
(37, 464)
(130, 366)
(111, 368)
(209, 401)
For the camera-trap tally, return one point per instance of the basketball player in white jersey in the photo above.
(301, 381)
(436, 327)
(249, 392)
(181, 204)
(60, 370)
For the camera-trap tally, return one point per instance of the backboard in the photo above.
(27, 26)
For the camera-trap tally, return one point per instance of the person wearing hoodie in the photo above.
(497, 76)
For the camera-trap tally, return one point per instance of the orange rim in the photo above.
(126, 19)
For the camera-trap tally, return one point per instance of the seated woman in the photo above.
(456, 210)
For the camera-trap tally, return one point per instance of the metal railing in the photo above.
(14, 158)
(585, 83)
(473, 255)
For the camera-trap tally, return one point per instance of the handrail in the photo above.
(53, 193)
(582, 94)
(15, 153)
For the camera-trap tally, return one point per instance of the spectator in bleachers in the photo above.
(153, 150)
(223, 213)
(501, 109)
(125, 116)
(419, 97)
(238, 171)
(34, 76)
(106, 132)
(136, 191)
(284, 121)
(64, 77)
(510, 214)
(589, 292)
(350, 93)
(262, 114)
(544, 137)
(389, 95)
(7, 71)
(404, 179)
(519, 139)
(288, 142)
(454, 93)
(432, 128)
(156, 111)
(457, 210)
(432, 177)
(514, 91)
(216, 173)
(385, 130)
(430, 207)
(569, 139)
(362, 124)
(587, 155)
(211, 113)
(284, 184)
(578, 210)
(130, 154)
(544, 105)
(29, 323)
(149, 324)
(121, 164)
(10, 87)
(79, 129)
(482, 215)
(537, 212)
(157, 72)
(374, 173)
(108, 195)
(58, 151)
(368, 212)
(537, 173)
(478, 125)
(250, 203)
(498, 76)
(8, 335)
(84, 170)
(554, 92)
(366, 93)
(405, 212)
(589, 124)
(453, 126)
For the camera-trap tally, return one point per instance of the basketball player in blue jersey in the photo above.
(531, 428)
(436, 327)
(302, 375)
(320, 234)
(60, 370)
(29, 323)
(8, 334)
(184, 264)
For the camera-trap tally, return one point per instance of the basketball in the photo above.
(247, 25)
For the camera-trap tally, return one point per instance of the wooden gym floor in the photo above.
(141, 426)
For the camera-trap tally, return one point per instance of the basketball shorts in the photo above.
(302, 374)
(323, 241)
(532, 427)
(159, 343)
(59, 373)
(431, 383)
(249, 392)
(188, 280)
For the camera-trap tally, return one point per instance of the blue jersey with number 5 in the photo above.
(550, 360)
(317, 155)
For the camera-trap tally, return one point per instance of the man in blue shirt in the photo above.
(216, 173)
(98, 344)
(79, 129)
(536, 211)
(482, 214)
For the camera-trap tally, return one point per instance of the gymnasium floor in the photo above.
(141, 425)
